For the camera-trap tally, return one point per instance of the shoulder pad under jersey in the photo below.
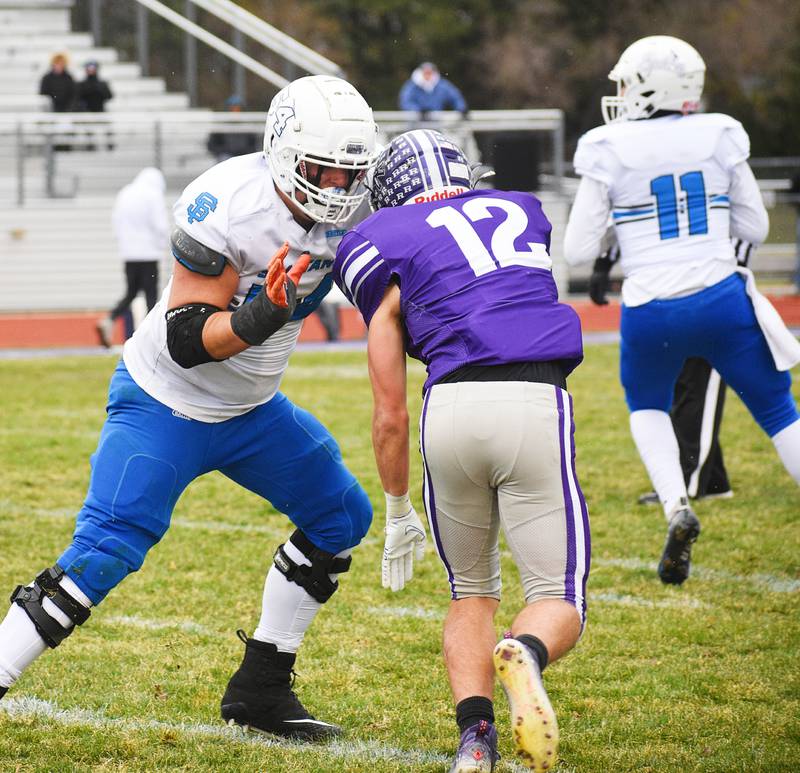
(594, 158)
(196, 256)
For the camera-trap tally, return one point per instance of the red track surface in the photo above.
(78, 328)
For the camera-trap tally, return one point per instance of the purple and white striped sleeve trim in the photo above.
(362, 275)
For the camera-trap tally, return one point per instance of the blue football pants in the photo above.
(147, 455)
(717, 324)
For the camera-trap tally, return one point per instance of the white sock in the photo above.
(787, 443)
(286, 609)
(20, 643)
(655, 439)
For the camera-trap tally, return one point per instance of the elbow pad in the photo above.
(185, 334)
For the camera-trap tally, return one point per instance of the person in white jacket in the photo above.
(141, 229)
(677, 187)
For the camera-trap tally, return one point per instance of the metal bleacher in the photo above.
(59, 172)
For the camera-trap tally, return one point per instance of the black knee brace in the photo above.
(30, 598)
(314, 579)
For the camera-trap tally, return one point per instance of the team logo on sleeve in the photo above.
(203, 205)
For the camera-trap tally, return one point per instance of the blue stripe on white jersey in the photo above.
(719, 201)
(639, 212)
(633, 215)
(630, 212)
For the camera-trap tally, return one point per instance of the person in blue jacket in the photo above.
(427, 90)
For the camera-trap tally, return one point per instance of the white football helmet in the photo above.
(655, 73)
(320, 120)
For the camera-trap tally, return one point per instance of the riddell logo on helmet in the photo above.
(439, 195)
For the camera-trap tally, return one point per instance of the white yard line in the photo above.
(420, 613)
(133, 621)
(362, 751)
(425, 614)
(624, 600)
(771, 582)
(608, 597)
(59, 513)
(221, 526)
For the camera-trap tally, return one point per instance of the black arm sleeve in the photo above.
(185, 334)
(256, 321)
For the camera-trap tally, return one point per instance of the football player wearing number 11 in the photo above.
(460, 279)
(677, 188)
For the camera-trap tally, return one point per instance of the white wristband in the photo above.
(397, 507)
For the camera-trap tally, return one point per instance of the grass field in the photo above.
(699, 678)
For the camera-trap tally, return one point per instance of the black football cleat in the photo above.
(684, 528)
(259, 696)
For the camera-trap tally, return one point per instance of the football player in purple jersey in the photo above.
(462, 281)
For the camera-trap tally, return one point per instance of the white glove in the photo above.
(405, 541)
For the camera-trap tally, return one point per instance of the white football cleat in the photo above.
(533, 721)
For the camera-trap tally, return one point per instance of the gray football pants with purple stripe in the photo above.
(502, 454)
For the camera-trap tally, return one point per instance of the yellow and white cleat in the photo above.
(533, 721)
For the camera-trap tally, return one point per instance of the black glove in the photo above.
(742, 250)
(599, 282)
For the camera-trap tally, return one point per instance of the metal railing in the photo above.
(244, 25)
(176, 142)
(270, 37)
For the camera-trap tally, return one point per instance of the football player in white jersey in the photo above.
(197, 390)
(677, 187)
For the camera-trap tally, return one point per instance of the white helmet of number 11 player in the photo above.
(322, 121)
(655, 73)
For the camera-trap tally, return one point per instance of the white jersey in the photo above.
(234, 209)
(669, 186)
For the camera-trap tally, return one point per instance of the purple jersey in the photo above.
(474, 276)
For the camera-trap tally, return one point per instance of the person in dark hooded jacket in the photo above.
(59, 85)
(93, 93)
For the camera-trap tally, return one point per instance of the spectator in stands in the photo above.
(141, 228)
(225, 145)
(427, 90)
(91, 97)
(59, 85)
(93, 93)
